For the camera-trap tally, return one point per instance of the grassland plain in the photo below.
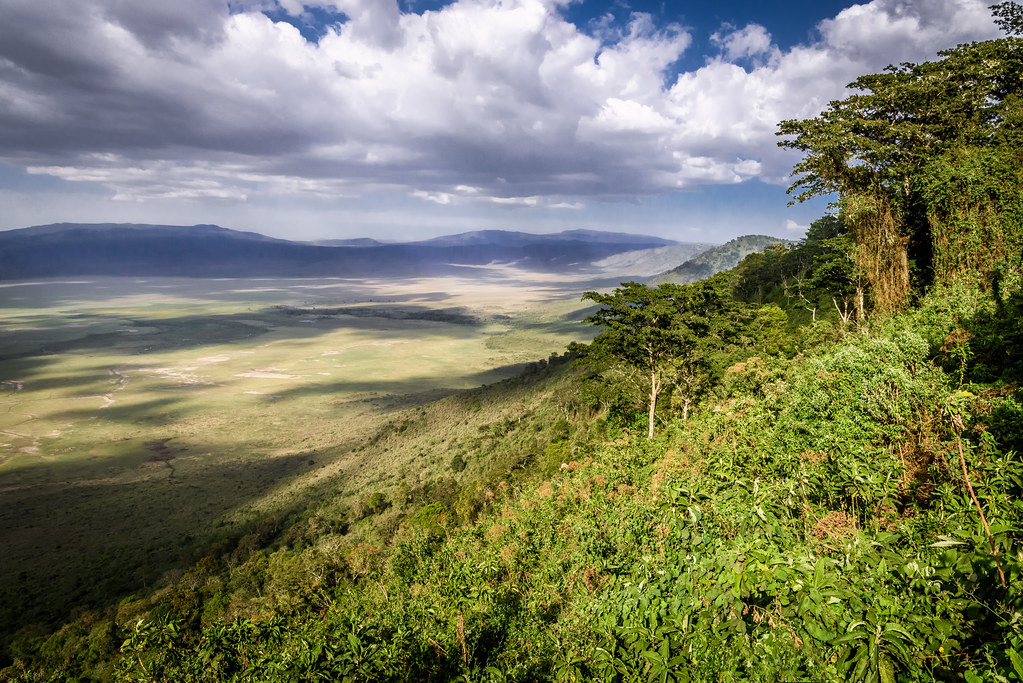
(141, 419)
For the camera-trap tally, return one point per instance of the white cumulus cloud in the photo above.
(751, 41)
(793, 226)
(489, 101)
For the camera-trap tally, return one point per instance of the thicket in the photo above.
(926, 161)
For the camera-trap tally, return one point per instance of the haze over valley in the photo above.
(164, 412)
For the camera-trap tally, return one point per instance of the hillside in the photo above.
(810, 511)
(649, 262)
(353, 242)
(72, 249)
(507, 238)
(716, 259)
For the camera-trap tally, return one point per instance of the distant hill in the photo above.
(75, 249)
(131, 249)
(716, 259)
(647, 262)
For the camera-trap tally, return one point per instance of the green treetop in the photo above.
(894, 150)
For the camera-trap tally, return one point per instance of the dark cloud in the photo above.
(474, 102)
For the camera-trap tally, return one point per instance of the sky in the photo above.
(408, 119)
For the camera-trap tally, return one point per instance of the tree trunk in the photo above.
(654, 390)
(882, 254)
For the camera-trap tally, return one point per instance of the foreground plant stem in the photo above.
(983, 519)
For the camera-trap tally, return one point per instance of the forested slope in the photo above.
(811, 519)
(716, 259)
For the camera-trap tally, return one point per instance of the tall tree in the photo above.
(833, 277)
(883, 149)
(651, 330)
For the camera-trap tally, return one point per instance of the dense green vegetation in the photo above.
(926, 158)
(832, 491)
(811, 519)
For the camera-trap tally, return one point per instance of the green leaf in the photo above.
(1017, 662)
(815, 631)
(893, 627)
(818, 573)
(886, 670)
(860, 671)
(848, 638)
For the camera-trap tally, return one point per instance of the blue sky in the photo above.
(405, 119)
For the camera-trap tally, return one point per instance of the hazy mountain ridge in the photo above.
(717, 259)
(514, 238)
(198, 230)
(353, 242)
(211, 251)
(649, 262)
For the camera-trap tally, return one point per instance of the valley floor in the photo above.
(142, 419)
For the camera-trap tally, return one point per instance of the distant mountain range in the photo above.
(505, 238)
(66, 249)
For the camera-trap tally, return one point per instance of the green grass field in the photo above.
(142, 419)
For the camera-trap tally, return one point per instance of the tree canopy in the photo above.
(652, 331)
(674, 340)
(925, 159)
